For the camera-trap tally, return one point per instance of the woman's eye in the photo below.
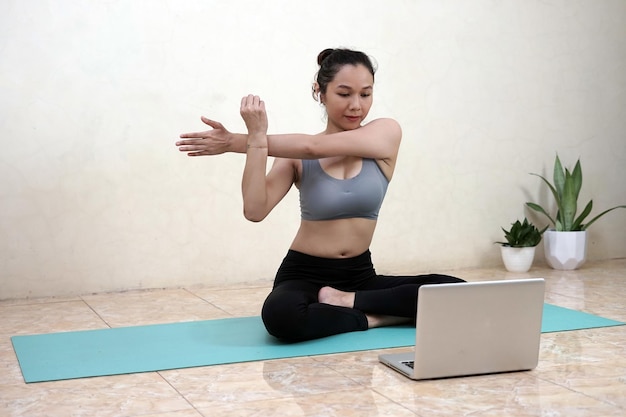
(365, 95)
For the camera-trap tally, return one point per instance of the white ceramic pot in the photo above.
(565, 250)
(517, 259)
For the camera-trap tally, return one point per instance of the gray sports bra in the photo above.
(323, 197)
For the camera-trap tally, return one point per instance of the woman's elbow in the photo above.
(253, 215)
(312, 150)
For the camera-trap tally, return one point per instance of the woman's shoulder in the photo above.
(386, 126)
(384, 122)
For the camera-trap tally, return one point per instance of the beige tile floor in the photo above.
(580, 373)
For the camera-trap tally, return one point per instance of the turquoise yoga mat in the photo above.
(124, 350)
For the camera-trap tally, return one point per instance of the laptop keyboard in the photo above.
(408, 363)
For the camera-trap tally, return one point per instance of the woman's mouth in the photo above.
(354, 118)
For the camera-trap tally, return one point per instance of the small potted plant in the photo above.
(518, 252)
(566, 245)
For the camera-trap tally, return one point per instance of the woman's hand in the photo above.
(211, 142)
(253, 113)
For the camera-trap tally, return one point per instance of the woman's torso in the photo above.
(341, 237)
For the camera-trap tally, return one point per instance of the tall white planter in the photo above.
(565, 250)
(517, 259)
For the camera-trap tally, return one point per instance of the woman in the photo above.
(326, 283)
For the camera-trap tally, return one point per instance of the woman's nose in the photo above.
(355, 103)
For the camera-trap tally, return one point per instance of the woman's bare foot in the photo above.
(382, 321)
(335, 297)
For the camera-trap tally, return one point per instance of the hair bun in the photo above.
(323, 55)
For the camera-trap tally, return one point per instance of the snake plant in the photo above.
(522, 235)
(565, 190)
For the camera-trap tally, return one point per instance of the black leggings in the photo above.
(292, 310)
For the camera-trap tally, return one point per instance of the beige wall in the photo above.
(95, 197)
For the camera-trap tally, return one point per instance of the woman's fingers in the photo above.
(253, 113)
(251, 102)
(212, 123)
(199, 135)
(192, 135)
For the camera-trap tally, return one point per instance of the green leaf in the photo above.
(555, 194)
(585, 226)
(522, 235)
(566, 190)
(559, 178)
(577, 177)
(568, 202)
(540, 209)
(578, 223)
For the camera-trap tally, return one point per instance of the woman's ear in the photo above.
(317, 95)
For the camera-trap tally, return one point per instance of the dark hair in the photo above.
(332, 60)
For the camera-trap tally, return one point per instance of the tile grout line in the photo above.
(544, 379)
(394, 401)
(209, 303)
(178, 392)
(96, 313)
(370, 388)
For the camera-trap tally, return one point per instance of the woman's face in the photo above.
(348, 98)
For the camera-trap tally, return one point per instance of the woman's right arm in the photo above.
(216, 141)
(379, 139)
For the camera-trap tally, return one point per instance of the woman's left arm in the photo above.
(379, 139)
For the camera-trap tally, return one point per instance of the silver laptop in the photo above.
(474, 328)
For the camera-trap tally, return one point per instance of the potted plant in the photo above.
(566, 244)
(518, 252)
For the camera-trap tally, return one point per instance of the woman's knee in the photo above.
(283, 317)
